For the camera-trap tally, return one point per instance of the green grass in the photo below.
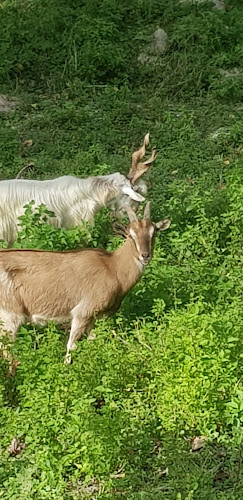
(168, 366)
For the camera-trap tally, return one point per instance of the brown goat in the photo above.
(37, 286)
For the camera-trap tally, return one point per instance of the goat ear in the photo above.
(132, 194)
(162, 225)
(119, 229)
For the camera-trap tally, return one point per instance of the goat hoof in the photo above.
(68, 359)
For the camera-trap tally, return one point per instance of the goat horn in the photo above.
(137, 156)
(147, 211)
(152, 157)
(131, 214)
(141, 168)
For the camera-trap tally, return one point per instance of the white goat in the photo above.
(37, 286)
(72, 199)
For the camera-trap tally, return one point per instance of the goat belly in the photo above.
(50, 285)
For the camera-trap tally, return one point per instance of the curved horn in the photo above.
(139, 168)
(137, 156)
(143, 167)
(152, 157)
(131, 214)
(147, 211)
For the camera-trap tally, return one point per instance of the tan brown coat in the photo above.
(37, 286)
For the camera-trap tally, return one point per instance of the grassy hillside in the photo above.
(119, 422)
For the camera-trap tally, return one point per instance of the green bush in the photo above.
(49, 43)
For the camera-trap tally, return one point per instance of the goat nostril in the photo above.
(145, 255)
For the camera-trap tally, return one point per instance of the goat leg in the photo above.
(79, 326)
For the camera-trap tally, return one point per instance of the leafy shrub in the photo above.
(100, 42)
(37, 232)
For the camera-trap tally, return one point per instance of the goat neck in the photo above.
(128, 267)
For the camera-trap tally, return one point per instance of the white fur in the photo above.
(10, 322)
(119, 204)
(139, 264)
(72, 199)
(151, 231)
